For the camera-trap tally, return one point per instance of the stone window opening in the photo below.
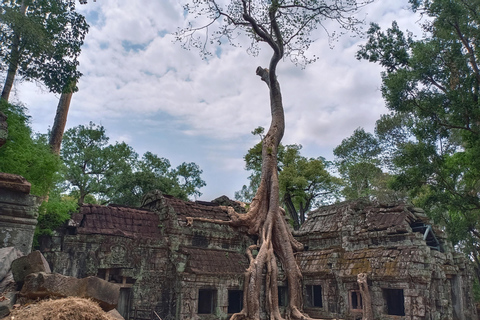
(235, 301)
(314, 296)
(356, 302)
(395, 301)
(206, 301)
(428, 234)
(282, 296)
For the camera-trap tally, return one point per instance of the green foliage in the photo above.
(432, 88)
(359, 159)
(91, 163)
(27, 154)
(47, 38)
(54, 212)
(98, 171)
(476, 290)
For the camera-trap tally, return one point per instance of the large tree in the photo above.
(432, 88)
(286, 27)
(41, 40)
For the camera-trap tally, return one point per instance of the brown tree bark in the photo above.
(366, 298)
(60, 121)
(14, 60)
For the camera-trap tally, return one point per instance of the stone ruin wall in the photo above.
(166, 274)
(435, 284)
(18, 213)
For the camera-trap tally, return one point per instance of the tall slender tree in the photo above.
(60, 121)
(285, 26)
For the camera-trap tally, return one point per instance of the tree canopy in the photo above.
(114, 174)
(431, 87)
(41, 41)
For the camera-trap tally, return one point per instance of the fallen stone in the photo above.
(7, 255)
(31, 263)
(7, 301)
(42, 285)
(8, 284)
(115, 314)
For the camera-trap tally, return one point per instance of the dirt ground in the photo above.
(61, 309)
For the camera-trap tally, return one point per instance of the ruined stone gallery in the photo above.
(178, 271)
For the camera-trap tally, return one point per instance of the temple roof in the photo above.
(367, 215)
(116, 220)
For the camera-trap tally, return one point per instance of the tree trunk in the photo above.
(287, 199)
(267, 220)
(366, 298)
(14, 60)
(60, 121)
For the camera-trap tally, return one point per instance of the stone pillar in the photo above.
(18, 213)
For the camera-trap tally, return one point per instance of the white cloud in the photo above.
(147, 90)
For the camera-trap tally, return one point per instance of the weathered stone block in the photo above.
(41, 285)
(34, 262)
(14, 182)
(7, 255)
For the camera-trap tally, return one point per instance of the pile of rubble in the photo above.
(29, 289)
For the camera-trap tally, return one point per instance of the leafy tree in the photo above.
(91, 161)
(358, 162)
(114, 174)
(41, 40)
(432, 87)
(304, 182)
(153, 172)
(25, 153)
(285, 26)
(54, 212)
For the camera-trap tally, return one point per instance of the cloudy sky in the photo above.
(149, 92)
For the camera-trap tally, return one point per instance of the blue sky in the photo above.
(149, 92)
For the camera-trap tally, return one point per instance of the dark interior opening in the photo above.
(395, 301)
(282, 296)
(428, 234)
(314, 296)
(206, 301)
(356, 302)
(235, 301)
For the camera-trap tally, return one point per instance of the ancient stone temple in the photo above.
(169, 269)
(412, 271)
